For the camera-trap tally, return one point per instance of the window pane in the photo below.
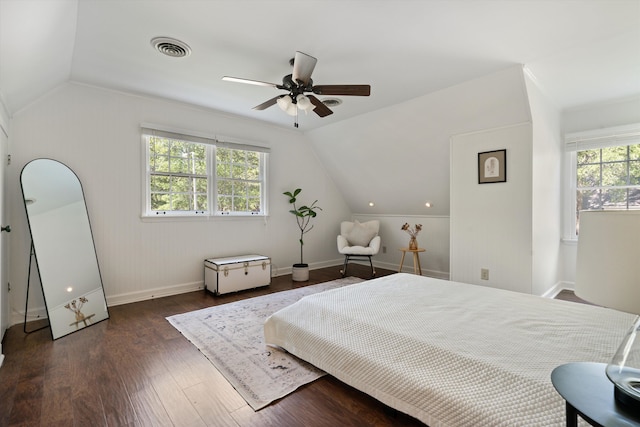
(634, 152)
(160, 202)
(182, 202)
(177, 148)
(200, 165)
(614, 154)
(253, 159)
(613, 198)
(238, 156)
(159, 183)
(634, 198)
(589, 199)
(201, 185)
(223, 170)
(181, 184)
(159, 164)
(240, 188)
(614, 174)
(253, 190)
(589, 176)
(177, 193)
(254, 204)
(180, 165)
(159, 146)
(225, 188)
(634, 172)
(240, 204)
(238, 171)
(224, 203)
(588, 156)
(201, 201)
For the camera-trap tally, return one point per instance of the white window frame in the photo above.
(212, 143)
(578, 141)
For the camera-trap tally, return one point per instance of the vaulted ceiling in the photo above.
(579, 52)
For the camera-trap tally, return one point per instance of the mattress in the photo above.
(448, 353)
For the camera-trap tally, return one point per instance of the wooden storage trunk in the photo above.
(232, 274)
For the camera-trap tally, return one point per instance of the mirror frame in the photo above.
(75, 302)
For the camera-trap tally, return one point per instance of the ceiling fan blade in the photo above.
(303, 66)
(321, 109)
(347, 90)
(248, 81)
(268, 103)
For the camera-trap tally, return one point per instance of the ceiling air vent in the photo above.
(171, 47)
(332, 102)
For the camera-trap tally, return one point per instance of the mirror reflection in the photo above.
(63, 245)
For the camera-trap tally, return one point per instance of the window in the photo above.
(195, 176)
(605, 171)
(239, 180)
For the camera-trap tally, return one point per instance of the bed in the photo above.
(448, 353)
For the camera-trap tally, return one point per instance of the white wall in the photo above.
(491, 223)
(612, 113)
(96, 133)
(398, 157)
(546, 190)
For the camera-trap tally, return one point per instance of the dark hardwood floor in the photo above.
(135, 369)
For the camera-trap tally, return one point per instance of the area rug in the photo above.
(231, 336)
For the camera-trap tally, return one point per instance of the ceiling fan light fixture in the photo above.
(304, 103)
(171, 47)
(286, 104)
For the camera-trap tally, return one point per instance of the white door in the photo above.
(4, 285)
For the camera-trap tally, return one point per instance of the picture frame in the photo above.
(492, 167)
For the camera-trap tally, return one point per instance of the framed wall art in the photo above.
(492, 167)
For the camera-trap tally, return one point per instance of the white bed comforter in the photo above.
(447, 353)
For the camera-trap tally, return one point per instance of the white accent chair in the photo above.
(360, 241)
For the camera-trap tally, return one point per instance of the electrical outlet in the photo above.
(484, 274)
(384, 249)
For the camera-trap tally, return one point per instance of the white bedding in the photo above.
(447, 353)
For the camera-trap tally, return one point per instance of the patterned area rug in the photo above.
(231, 336)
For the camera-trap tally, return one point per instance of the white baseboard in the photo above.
(557, 288)
(282, 271)
(166, 291)
(33, 314)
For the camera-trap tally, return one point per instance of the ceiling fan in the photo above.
(297, 84)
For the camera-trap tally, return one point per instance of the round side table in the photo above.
(589, 393)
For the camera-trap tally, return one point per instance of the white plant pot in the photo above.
(300, 272)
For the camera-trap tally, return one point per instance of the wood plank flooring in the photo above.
(135, 369)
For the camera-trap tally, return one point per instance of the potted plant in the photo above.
(304, 214)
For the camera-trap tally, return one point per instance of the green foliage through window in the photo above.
(181, 178)
(238, 178)
(608, 178)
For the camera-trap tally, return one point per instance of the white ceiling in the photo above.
(579, 51)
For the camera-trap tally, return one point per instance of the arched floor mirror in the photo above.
(63, 246)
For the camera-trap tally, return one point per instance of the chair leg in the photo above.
(344, 268)
(373, 270)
